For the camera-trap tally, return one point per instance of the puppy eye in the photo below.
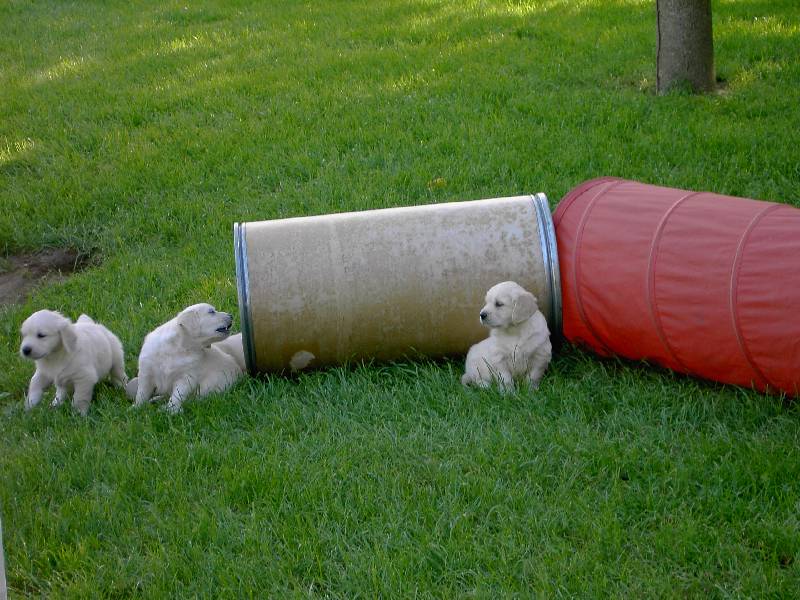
(498, 304)
(211, 311)
(40, 335)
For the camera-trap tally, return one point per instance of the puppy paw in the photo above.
(173, 408)
(31, 401)
(506, 388)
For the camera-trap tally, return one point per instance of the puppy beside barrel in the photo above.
(518, 347)
(190, 355)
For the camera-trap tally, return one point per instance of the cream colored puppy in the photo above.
(518, 345)
(73, 356)
(179, 358)
(231, 346)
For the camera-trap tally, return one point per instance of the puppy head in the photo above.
(45, 332)
(508, 304)
(202, 324)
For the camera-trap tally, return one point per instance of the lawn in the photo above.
(138, 132)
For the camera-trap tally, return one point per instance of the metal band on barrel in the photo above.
(547, 237)
(243, 291)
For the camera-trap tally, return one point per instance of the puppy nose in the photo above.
(26, 350)
(484, 314)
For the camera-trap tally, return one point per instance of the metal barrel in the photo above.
(387, 284)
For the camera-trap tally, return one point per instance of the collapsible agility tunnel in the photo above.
(384, 284)
(697, 282)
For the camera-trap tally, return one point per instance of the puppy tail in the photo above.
(85, 319)
(118, 375)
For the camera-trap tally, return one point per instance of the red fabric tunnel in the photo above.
(697, 282)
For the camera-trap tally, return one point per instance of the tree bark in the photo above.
(685, 53)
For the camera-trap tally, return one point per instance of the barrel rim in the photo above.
(243, 294)
(547, 239)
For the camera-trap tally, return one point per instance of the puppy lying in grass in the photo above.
(74, 356)
(180, 359)
(518, 345)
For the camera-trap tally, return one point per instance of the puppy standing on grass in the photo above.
(180, 358)
(519, 342)
(74, 356)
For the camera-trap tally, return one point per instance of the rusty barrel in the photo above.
(697, 282)
(387, 284)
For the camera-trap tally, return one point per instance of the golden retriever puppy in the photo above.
(73, 356)
(518, 345)
(179, 358)
(231, 346)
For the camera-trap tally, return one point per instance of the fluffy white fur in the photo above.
(73, 356)
(180, 358)
(233, 346)
(518, 345)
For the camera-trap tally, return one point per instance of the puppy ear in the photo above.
(524, 307)
(69, 339)
(186, 319)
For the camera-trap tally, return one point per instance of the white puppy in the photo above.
(231, 345)
(74, 356)
(179, 358)
(518, 345)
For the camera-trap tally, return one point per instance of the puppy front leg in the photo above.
(61, 394)
(482, 382)
(535, 375)
(84, 388)
(39, 383)
(180, 392)
(505, 382)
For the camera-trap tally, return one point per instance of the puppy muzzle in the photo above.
(226, 328)
(27, 352)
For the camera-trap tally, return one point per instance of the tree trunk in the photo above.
(685, 52)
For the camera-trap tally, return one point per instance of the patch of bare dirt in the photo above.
(20, 273)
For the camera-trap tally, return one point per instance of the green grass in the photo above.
(139, 132)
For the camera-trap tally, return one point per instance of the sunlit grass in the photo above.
(16, 150)
(139, 132)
